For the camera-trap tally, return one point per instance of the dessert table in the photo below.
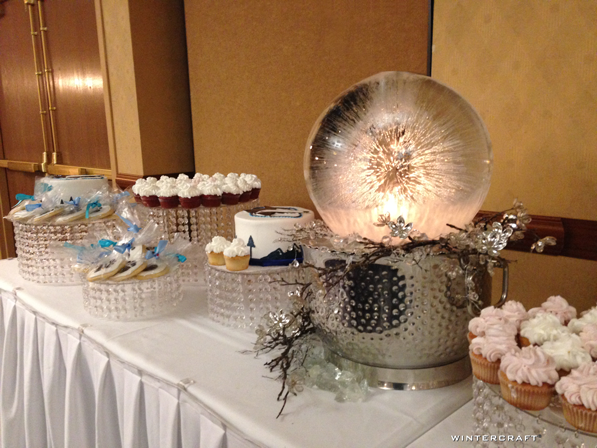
(68, 379)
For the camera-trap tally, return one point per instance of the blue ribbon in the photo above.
(23, 197)
(122, 248)
(94, 204)
(119, 196)
(74, 202)
(132, 226)
(181, 258)
(106, 243)
(31, 207)
(156, 252)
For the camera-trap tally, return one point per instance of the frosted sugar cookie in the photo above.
(45, 216)
(102, 212)
(153, 270)
(70, 217)
(130, 269)
(106, 269)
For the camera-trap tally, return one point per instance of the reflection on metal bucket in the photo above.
(412, 318)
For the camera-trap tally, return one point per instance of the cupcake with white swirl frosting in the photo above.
(568, 352)
(578, 393)
(237, 255)
(527, 378)
(540, 329)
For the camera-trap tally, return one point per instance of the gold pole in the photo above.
(38, 73)
(49, 81)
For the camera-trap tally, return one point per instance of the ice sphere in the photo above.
(402, 144)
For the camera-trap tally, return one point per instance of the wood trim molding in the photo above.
(576, 238)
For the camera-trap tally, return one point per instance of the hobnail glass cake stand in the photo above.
(199, 225)
(241, 299)
(39, 258)
(133, 299)
(492, 415)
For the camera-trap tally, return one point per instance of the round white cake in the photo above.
(70, 187)
(261, 227)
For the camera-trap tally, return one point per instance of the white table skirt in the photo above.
(68, 379)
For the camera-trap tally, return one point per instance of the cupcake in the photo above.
(488, 317)
(588, 338)
(149, 194)
(254, 182)
(527, 378)
(568, 352)
(586, 318)
(135, 189)
(231, 192)
(189, 196)
(215, 250)
(558, 306)
(198, 178)
(237, 255)
(246, 190)
(211, 194)
(544, 327)
(515, 312)
(485, 354)
(578, 393)
(168, 195)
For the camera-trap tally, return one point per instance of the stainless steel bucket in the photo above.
(401, 324)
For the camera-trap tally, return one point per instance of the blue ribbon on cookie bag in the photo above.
(24, 197)
(123, 247)
(91, 206)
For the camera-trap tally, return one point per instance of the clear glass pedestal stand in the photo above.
(492, 415)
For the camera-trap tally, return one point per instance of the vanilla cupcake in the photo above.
(578, 393)
(515, 312)
(215, 250)
(485, 354)
(540, 329)
(558, 306)
(527, 378)
(489, 316)
(237, 255)
(568, 352)
(588, 338)
(586, 318)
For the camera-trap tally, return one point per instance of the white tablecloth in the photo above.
(68, 379)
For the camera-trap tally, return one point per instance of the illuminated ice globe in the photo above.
(400, 144)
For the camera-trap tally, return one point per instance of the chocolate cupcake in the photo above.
(190, 196)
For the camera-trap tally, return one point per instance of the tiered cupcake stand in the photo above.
(199, 225)
(493, 416)
(39, 255)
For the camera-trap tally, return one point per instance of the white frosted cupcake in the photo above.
(237, 255)
(568, 352)
(527, 378)
(558, 306)
(215, 250)
(586, 318)
(540, 329)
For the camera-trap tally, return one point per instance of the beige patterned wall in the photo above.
(530, 68)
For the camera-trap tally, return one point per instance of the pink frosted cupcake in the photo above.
(588, 339)
(489, 316)
(515, 312)
(558, 306)
(486, 353)
(527, 378)
(578, 392)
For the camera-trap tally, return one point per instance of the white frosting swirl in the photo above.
(209, 188)
(182, 177)
(588, 338)
(244, 185)
(231, 187)
(198, 178)
(238, 248)
(544, 327)
(149, 189)
(168, 190)
(151, 180)
(217, 245)
(219, 177)
(189, 191)
(558, 306)
(256, 183)
(232, 176)
(138, 184)
(515, 312)
(529, 365)
(567, 351)
(580, 386)
(587, 317)
(165, 180)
